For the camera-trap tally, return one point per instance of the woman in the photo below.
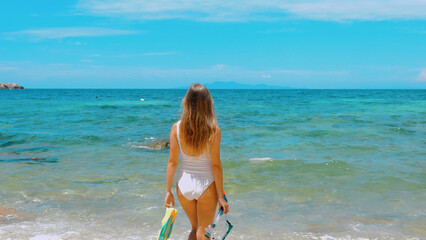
(200, 180)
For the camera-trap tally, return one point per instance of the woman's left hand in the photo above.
(224, 205)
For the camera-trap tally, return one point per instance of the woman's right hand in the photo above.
(224, 204)
(169, 198)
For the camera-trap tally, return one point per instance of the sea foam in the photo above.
(261, 159)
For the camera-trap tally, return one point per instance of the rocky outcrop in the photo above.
(159, 144)
(10, 86)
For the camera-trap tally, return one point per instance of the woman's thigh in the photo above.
(190, 208)
(206, 206)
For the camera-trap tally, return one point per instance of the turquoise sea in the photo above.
(298, 164)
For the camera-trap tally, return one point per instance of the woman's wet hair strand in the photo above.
(198, 120)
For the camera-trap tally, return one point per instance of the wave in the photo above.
(11, 143)
(127, 104)
(140, 146)
(102, 180)
(28, 159)
(34, 149)
(77, 140)
(390, 183)
(261, 159)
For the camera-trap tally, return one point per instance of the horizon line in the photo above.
(180, 88)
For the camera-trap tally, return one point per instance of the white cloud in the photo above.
(92, 75)
(59, 33)
(254, 10)
(422, 76)
(158, 53)
(7, 68)
(73, 43)
(218, 66)
(309, 73)
(36, 71)
(265, 76)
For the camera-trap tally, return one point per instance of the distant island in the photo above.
(235, 85)
(10, 86)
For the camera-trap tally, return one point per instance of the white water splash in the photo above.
(261, 159)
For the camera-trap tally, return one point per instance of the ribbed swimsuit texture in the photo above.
(195, 173)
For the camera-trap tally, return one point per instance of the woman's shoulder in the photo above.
(217, 134)
(174, 128)
(217, 129)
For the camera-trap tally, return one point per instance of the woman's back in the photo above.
(195, 172)
(189, 151)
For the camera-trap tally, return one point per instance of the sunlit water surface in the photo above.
(298, 164)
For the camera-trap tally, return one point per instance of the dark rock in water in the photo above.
(159, 144)
(10, 86)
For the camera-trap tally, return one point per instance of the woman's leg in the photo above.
(206, 209)
(190, 208)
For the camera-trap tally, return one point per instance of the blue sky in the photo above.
(172, 43)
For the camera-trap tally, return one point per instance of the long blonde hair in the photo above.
(198, 120)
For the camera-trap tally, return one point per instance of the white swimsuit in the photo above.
(195, 173)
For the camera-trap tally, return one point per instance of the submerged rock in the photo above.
(159, 144)
(10, 86)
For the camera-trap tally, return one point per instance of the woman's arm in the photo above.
(217, 170)
(172, 166)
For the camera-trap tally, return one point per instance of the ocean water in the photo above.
(298, 164)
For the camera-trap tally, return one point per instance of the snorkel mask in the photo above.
(212, 232)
